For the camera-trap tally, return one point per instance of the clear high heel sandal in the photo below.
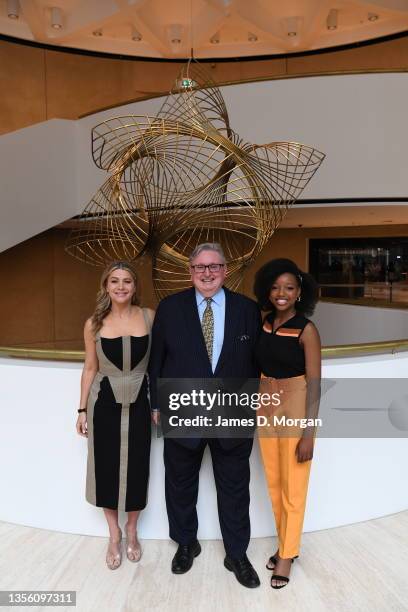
(133, 548)
(114, 560)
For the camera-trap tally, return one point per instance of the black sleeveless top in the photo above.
(279, 353)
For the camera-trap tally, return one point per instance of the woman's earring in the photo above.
(298, 298)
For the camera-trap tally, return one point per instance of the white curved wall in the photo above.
(349, 324)
(38, 177)
(359, 121)
(43, 460)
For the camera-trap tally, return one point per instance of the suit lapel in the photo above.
(230, 328)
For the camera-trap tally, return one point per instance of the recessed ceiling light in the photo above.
(214, 40)
(13, 9)
(136, 35)
(252, 37)
(97, 33)
(175, 32)
(372, 17)
(56, 18)
(331, 21)
(291, 25)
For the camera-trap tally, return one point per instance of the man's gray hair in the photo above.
(207, 246)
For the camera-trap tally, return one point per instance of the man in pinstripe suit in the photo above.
(207, 332)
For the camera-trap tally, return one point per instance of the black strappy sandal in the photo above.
(274, 560)
(284, 579)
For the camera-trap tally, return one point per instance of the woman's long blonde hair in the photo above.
(103, 301)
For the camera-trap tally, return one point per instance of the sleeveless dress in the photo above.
(119, 424)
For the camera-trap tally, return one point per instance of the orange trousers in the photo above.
(286, 478)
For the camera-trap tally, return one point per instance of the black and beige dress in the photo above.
(119, 423)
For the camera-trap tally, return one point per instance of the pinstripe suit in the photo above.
(179, 351)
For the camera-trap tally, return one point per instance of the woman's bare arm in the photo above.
(310, 340)
(88, 374)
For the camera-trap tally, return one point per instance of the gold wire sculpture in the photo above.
(183, 178)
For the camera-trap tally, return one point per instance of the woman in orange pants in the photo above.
(289, 354)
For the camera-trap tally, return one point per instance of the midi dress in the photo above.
(119, 423)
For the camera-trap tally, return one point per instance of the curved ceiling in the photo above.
(214, 28)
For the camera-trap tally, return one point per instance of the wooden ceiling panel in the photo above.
(214, 28)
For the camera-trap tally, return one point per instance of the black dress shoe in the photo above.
(243, 570)
(184, 557)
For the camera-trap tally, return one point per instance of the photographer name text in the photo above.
(259, 420)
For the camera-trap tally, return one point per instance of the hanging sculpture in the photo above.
(183, 178)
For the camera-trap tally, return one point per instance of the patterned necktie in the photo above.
(207, 325)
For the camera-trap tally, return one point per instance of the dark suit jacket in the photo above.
(178, 348)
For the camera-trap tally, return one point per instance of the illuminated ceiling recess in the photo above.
(183, 178)
(215, 28)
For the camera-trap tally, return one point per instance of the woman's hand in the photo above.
(82, 425)
(304, 449)
(156, 417)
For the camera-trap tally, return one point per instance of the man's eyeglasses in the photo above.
(212, 267)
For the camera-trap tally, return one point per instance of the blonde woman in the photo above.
(114, 412)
